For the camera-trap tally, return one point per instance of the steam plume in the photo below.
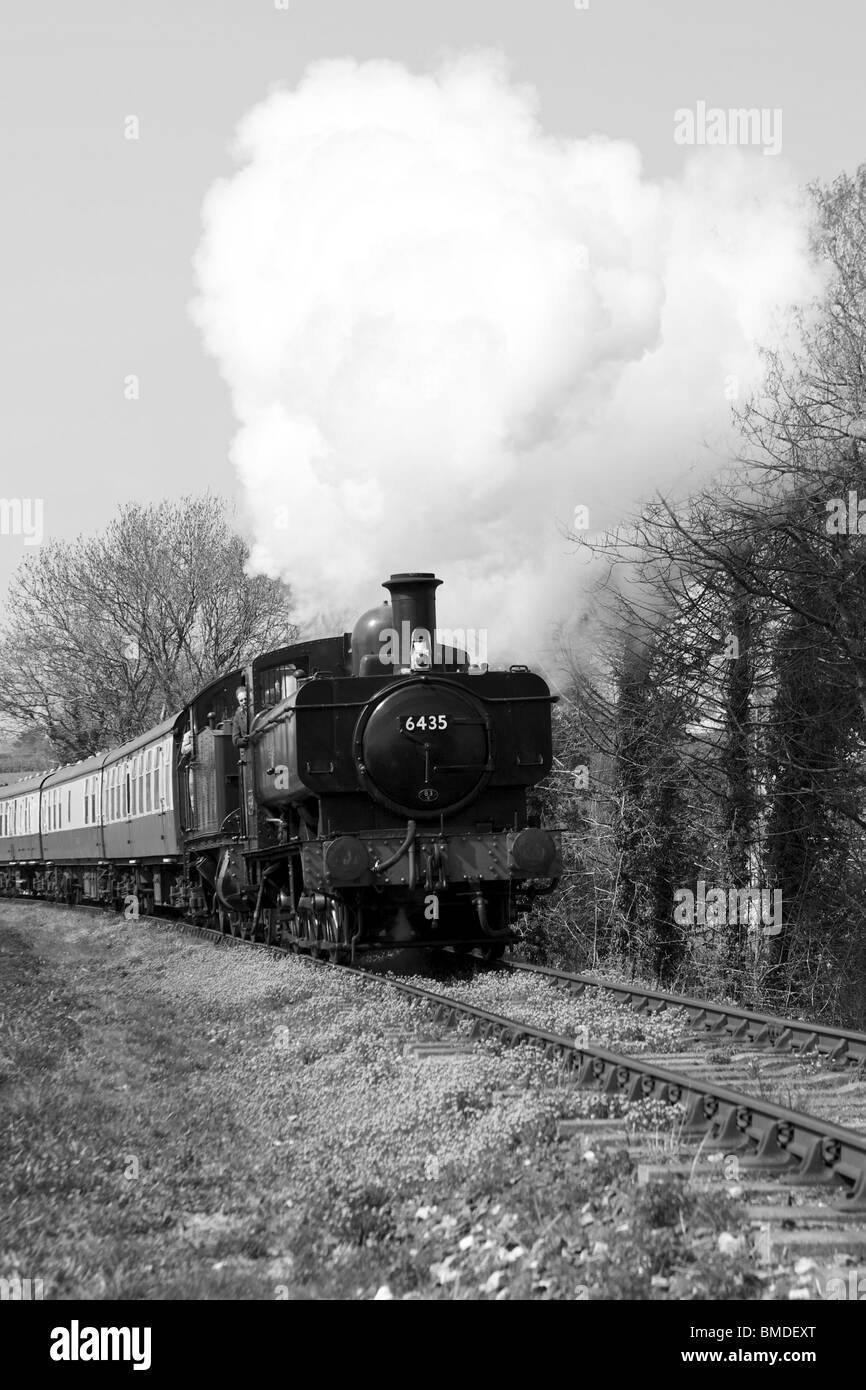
(443, 329)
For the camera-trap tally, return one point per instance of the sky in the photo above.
(99, 230)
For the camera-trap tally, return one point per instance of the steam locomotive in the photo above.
(337, 795)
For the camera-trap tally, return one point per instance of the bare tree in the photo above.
(104, 634)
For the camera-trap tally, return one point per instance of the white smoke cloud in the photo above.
(443, 329)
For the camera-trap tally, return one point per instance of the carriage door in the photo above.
(128, 784)
(159, 789)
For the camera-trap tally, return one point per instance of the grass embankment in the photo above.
(182, 1122)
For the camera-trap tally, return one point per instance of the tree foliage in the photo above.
(728, 708)
(104, 635)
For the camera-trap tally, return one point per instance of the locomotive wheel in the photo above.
(333, 931)
(285, 937)
(491, 953)
(306, 929)
(230, 922)
(271, 926)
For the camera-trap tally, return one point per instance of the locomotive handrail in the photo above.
(519, 699)
(337, 704)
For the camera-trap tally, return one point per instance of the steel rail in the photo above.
(742, 1025)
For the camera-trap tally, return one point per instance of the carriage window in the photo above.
(157, 764)
(148, 781)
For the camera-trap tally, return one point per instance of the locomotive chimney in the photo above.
(413, 601)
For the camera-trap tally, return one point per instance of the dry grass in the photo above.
(182, 1122)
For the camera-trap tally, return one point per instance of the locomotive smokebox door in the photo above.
(423, 747)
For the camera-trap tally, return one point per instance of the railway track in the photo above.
(780, 1155)
(719, 1021)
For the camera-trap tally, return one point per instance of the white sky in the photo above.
(98, 231)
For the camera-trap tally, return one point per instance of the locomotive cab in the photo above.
(209, 771)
